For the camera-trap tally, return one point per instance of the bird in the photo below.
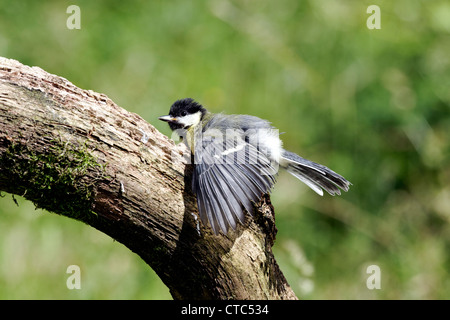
(236, 160)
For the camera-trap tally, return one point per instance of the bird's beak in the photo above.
(168, 119)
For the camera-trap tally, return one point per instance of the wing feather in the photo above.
(227, 179)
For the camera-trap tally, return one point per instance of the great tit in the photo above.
(236, 160)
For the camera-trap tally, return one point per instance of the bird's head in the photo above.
(184, 114)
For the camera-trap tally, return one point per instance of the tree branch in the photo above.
(76, 153)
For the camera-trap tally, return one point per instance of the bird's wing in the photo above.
(229, 174)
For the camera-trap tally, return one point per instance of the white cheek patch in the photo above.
(190, 119)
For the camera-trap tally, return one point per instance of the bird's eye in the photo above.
(183, 113)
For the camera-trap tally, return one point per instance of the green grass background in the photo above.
(372, 105)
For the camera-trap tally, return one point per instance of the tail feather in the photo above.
(314, 175)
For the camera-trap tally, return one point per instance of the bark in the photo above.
(76, 153)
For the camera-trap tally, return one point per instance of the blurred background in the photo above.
(372, 105)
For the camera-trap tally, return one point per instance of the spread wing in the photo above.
(229, 175)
